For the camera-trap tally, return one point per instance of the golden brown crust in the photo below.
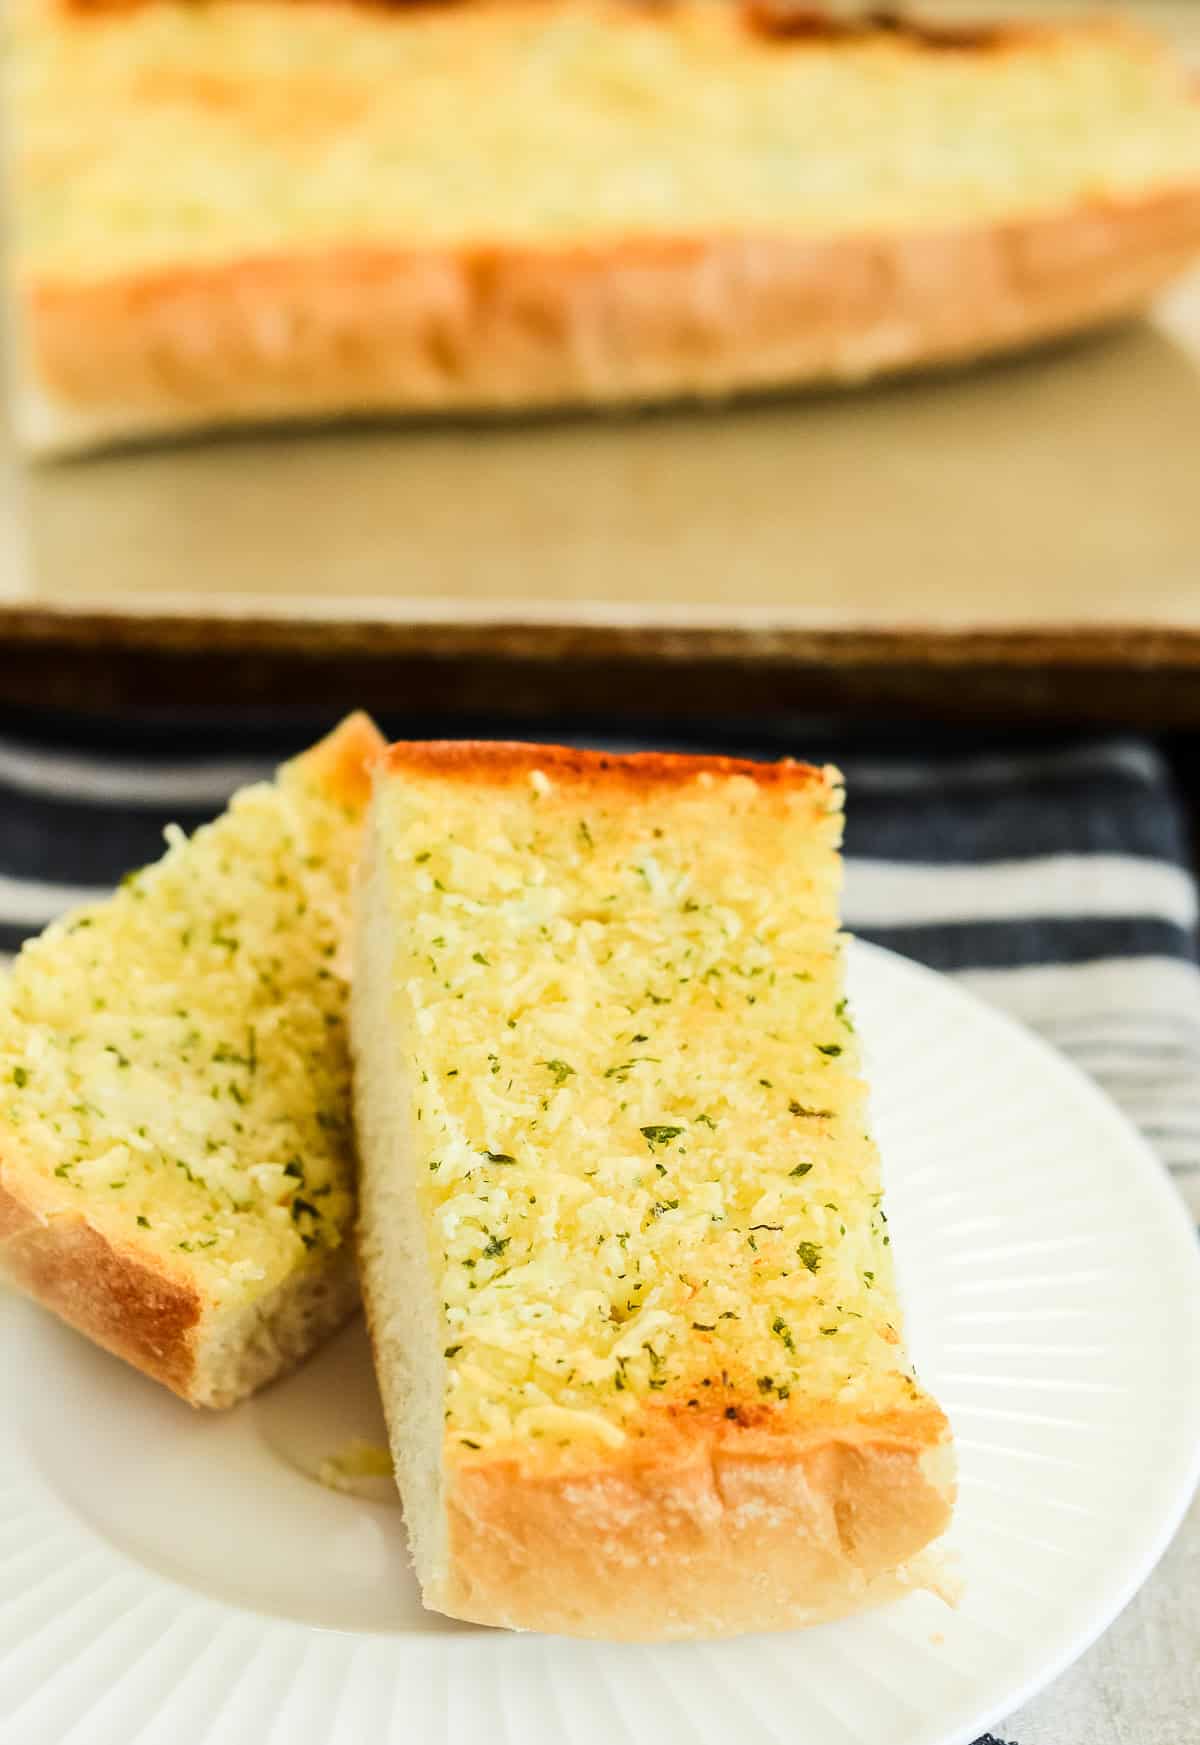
(709, 1526)
(504, 761)
(342, 762)
(124, 1302)
(362, 331)
(707, 1530)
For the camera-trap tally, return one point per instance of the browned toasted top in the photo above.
(722, 1424)
(783, 21)
(504, 761)
(775, 20)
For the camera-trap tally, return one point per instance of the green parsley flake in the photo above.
(659, 1135)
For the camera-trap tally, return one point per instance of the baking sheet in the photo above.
(1048, 507)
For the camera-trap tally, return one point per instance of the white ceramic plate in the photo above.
(172, 1579)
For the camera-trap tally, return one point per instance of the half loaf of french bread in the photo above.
(254, 209)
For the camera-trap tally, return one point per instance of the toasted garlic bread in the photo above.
(248, 210)
(176, 1175)
(623, 1252)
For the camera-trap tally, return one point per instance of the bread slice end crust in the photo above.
(700, 1535)
(119, 1299)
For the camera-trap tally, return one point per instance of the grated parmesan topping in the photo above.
(176, 1057)
(166, 135)
(641, 1136)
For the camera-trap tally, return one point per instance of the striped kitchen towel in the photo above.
(1051, 877)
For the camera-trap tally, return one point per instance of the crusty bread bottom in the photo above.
(158, 1323)
(377, 331)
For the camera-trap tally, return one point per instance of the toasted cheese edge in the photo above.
(147, 1308)
(691, 1531)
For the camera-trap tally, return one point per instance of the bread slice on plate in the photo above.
(253, 209)
(176, 1172)
(624, 1257)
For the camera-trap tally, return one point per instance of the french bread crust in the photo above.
(121, 1300)
(131, 1300)
(500, 761)
(131, 1305)
(709, 1530)
(377, 331)
(343, 762)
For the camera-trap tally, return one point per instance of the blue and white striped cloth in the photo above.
(1052, 877)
